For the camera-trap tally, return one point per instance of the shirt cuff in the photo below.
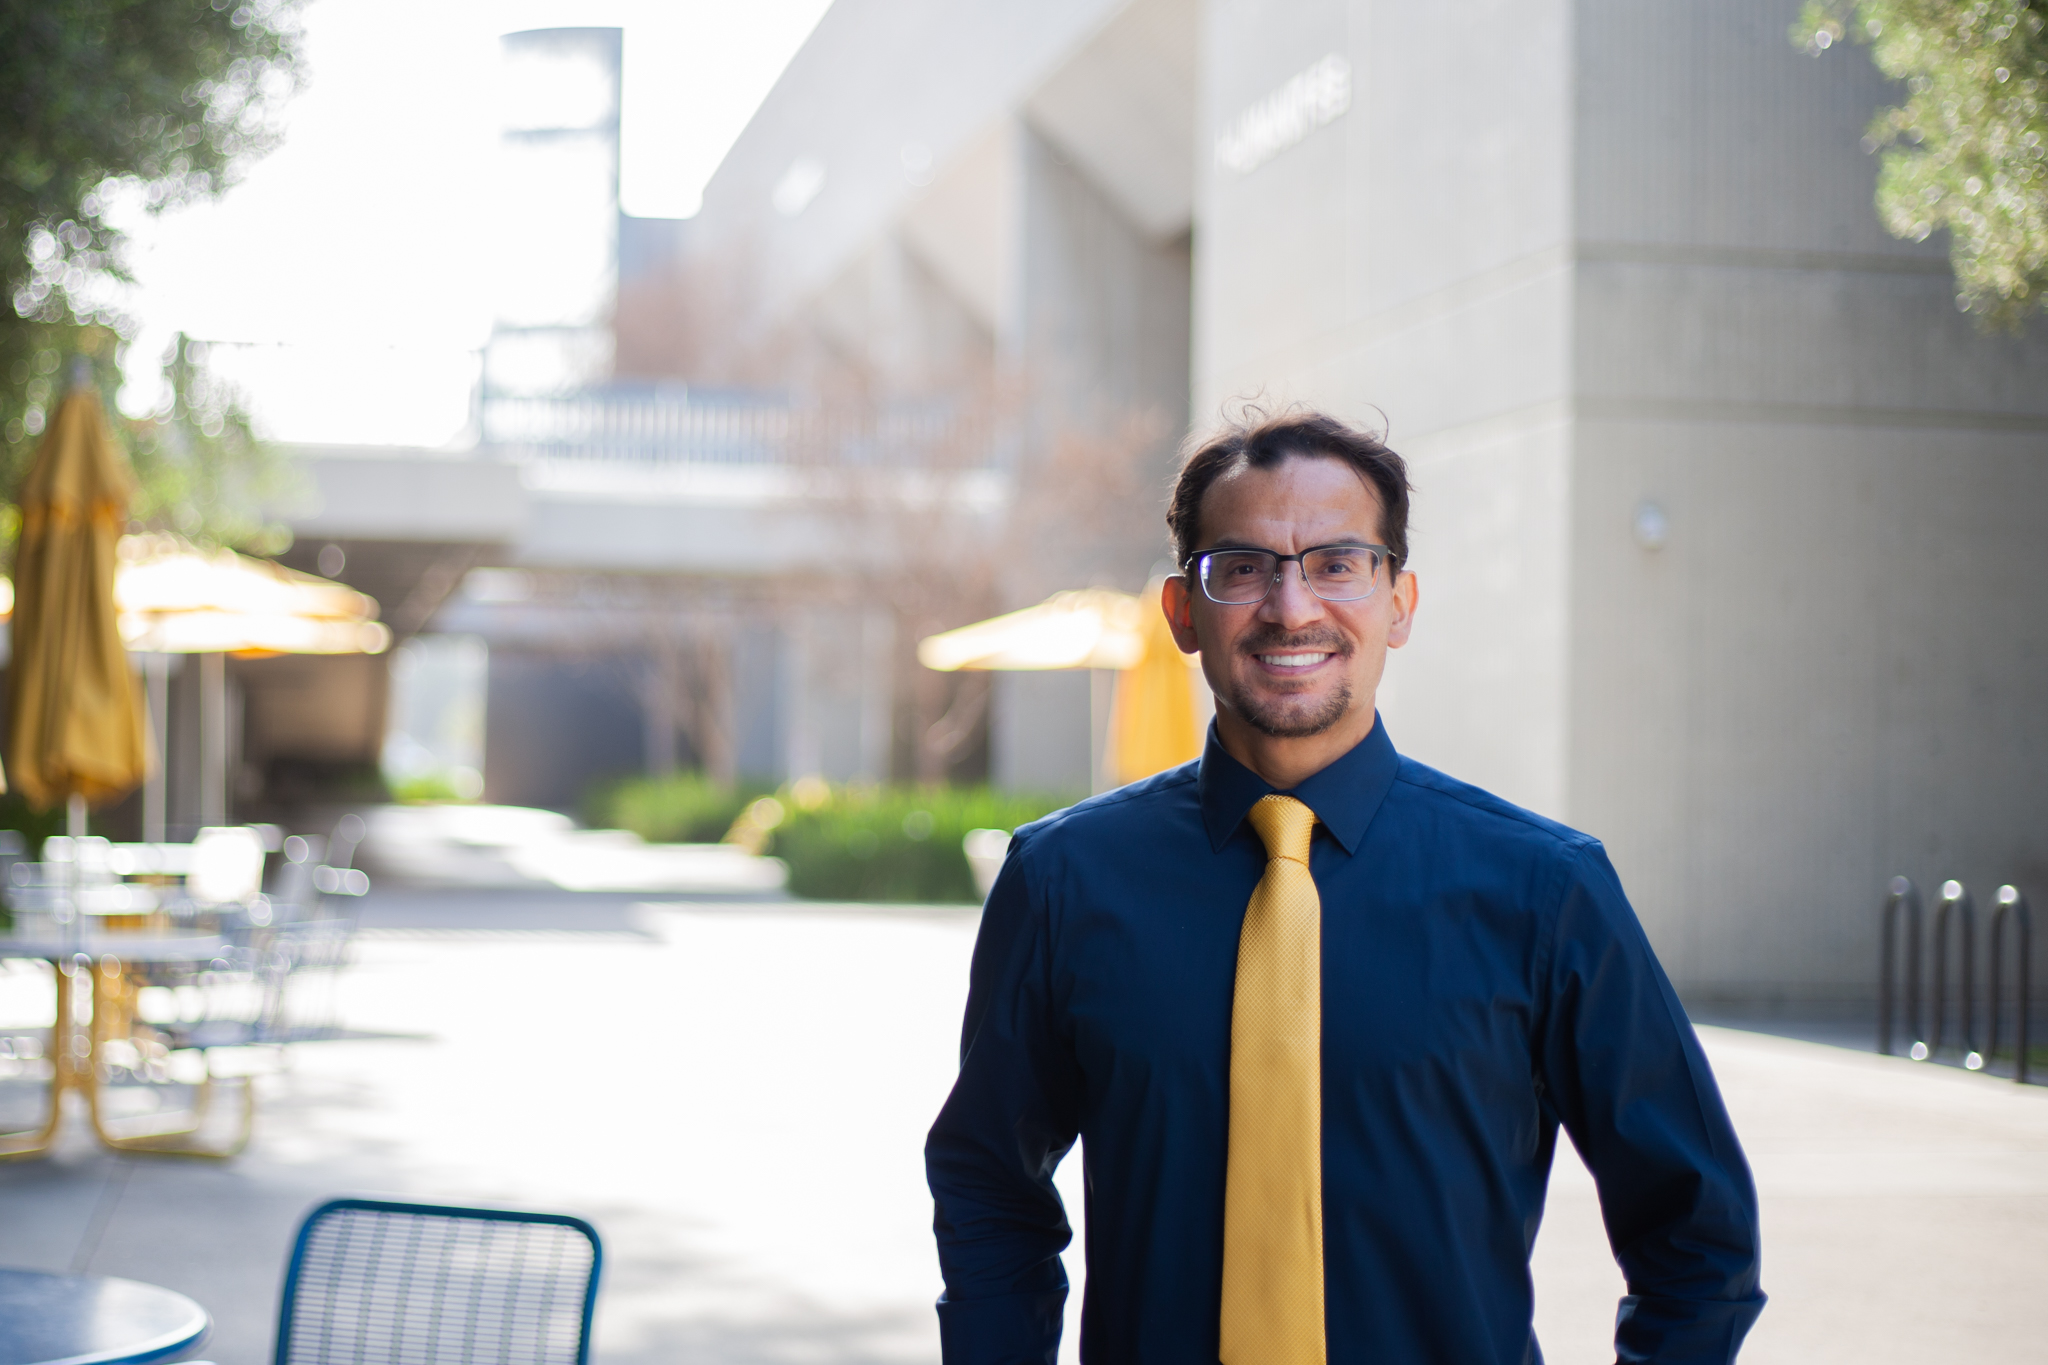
(1014, 1329)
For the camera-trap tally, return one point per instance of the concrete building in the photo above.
(640, 614)
(555, 226)
(1025, 173)
(631, 556)
(1724, 512)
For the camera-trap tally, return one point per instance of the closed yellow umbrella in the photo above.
(1152, 719)
(77, 727)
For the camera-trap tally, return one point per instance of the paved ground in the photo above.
(737, 1095)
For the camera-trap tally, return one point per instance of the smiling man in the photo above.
(1318, 1011)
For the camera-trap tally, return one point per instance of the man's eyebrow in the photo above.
(1228, 544)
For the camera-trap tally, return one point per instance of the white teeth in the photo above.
(1292, 660)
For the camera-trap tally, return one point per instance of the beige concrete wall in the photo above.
(1594, 255)
(1410, 258)
(1098, 353)
(1481, 688)
(1831, 671)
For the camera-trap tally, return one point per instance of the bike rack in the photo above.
(1903, 901)
(2012, 905)
(1901, 919)
(1955, 904)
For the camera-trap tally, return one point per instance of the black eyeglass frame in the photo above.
(1196, 566)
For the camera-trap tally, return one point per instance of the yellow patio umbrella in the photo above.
(1151, 722)
(76, 730)
(178, 599)
(175, 598)
(1087, 628)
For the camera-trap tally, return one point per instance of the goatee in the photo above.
(1289, 717)
(1286, 718)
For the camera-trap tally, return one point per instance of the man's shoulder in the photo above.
(1499, 822)
(1113, 814)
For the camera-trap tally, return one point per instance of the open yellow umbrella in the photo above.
(76, 729)
(1084, 628)
(175, 598)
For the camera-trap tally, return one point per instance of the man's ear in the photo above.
(1407, 596)
(1177, 601)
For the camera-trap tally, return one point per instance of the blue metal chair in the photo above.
(379, 1283)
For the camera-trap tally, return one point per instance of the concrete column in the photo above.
(1099, 341)
(1384, 204)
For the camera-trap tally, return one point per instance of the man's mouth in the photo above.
(1300, 660)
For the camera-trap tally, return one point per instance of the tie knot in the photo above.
(1284, 826)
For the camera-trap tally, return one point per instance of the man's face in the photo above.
(1293, 669)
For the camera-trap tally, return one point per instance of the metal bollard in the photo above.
(1955, 903)
(2012, 905)
(1902, 902)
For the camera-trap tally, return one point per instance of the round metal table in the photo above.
(90, 1320)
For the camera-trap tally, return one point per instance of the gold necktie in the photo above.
(1273, 1183)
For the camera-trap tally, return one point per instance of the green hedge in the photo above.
(34, 825)
(862, 843)
(688, 808)
(894, 843)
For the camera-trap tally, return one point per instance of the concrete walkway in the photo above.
(737, 1095)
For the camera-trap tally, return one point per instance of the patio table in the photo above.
(74, 1050)
(92, 1320)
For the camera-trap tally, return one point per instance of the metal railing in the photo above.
(1901, 944)
(660, 426)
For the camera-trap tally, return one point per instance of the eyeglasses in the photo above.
(1335, 573)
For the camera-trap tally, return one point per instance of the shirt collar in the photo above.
(1345, 796)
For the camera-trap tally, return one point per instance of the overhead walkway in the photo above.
(651, 479)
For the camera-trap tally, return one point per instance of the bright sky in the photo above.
(349, 258)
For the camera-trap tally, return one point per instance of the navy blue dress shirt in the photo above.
(1484, 980)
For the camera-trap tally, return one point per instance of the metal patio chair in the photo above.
(378, 1283)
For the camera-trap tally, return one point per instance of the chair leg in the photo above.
(176, 1141)
(164, 1141)
(28, 1143)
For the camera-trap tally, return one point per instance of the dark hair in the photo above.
(1258, 441)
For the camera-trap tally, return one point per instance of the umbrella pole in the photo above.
(213, 739)
(74, 826)
(155, 784)
(1100, 681)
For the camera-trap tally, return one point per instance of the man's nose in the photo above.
(1289, 603)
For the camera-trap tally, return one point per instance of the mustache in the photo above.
(1269, 640)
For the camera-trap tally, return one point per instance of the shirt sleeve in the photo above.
(990, 1157)
(1626, 1076)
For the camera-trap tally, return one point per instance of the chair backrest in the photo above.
(227, 865)
(379, 1283)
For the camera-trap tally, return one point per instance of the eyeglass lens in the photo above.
(1335, 573)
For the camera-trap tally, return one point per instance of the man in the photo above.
(1318, 1010)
